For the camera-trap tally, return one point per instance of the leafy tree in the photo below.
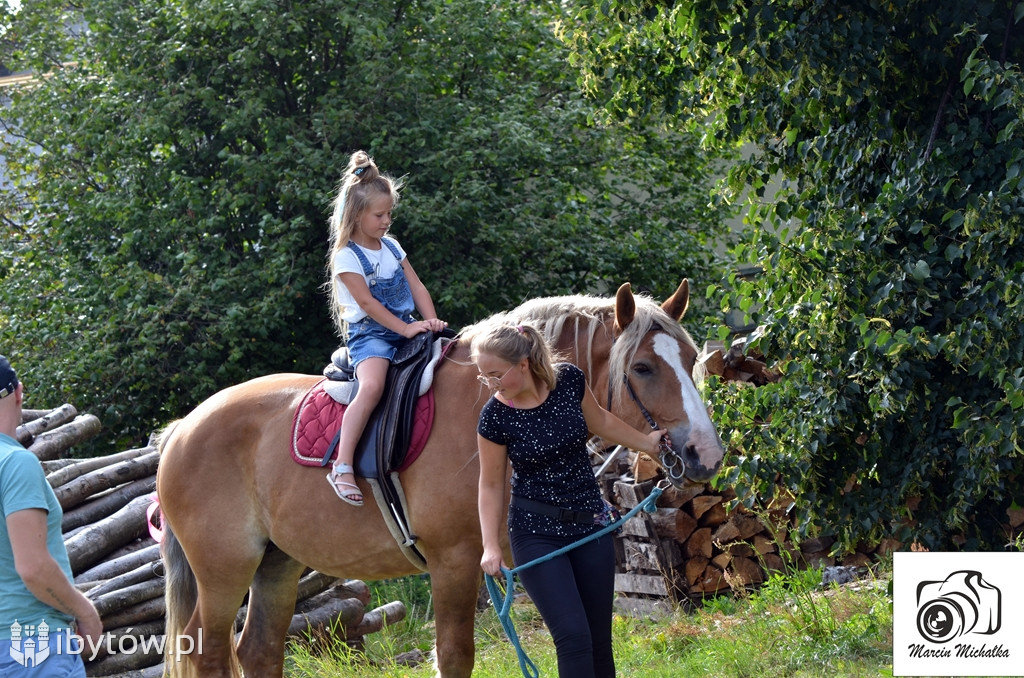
(165, 234)
(892, 253)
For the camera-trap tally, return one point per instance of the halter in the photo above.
(672, 462)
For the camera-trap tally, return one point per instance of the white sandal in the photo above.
(334, 478)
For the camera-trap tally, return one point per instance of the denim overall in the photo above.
(368, 338)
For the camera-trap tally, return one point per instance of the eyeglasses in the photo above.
(493, 382)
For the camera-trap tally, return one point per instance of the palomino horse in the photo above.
(241, 516)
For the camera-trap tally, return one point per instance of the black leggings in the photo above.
(573, 593)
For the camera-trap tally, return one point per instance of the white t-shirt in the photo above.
(346, 261)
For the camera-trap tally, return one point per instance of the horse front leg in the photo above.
(454, 587)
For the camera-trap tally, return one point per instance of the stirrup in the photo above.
(338, 485)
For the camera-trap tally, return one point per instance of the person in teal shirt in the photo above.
(40, 609)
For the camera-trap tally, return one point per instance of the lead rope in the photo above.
(528, 668)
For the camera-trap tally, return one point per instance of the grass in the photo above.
(790, 626)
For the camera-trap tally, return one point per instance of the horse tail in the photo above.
(180, 590)
(163, 436)
(180, 597)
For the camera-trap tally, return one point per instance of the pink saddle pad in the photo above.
(318, 418)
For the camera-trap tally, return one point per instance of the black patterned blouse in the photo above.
(547, 446)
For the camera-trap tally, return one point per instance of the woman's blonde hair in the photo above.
(360, 186)
(512, 343)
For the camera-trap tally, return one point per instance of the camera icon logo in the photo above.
(961, 603)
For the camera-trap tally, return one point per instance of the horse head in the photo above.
(651, 381)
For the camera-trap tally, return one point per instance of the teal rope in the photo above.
(528, 668)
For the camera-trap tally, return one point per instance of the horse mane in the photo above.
(587, 315)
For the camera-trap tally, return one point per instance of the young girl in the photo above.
(375, 291)
(540, 418)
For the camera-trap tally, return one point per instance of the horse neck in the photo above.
(587, 344)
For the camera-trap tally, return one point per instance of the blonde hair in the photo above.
(360, 186)
(512, 343)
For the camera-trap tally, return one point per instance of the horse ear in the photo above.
(625, 307)
(676, 305)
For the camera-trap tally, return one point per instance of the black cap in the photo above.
(8, 378)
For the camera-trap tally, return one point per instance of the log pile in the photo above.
(48, 433)
(698, 544)
(117, 564)
(695, 546)
(736, 364)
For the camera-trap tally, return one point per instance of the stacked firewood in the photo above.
(737, 363)
(109, 535)
(49, 433)
(695, 544)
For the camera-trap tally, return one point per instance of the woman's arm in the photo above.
(491, 501)
(43, 576)
(603, 423)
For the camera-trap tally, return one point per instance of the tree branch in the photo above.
(946, 96)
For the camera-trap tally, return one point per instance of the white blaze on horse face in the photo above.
(701, 432)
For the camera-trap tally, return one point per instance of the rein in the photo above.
(528, 668)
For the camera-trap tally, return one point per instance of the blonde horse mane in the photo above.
(549, 315)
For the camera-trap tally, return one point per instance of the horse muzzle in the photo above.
(684, 461)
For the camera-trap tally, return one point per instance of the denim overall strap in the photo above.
(393, 247)
(363, 261)
(393, 292)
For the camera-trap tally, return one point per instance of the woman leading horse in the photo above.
(241, 516)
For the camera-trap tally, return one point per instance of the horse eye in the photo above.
(642, 368)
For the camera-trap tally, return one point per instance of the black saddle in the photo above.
(385, 440)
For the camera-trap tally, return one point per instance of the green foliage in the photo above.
(165, 231)
(892, 250)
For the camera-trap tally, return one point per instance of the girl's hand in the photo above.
(654, 439)
(421, 326)
(435, 324)
(491, 562)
